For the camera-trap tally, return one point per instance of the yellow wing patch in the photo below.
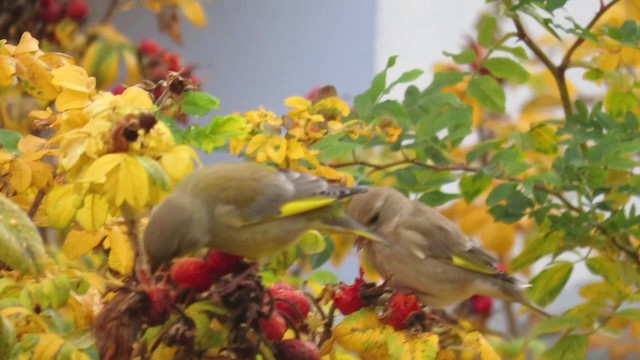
(303, 205)
(466, 264)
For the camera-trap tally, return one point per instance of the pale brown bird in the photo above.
(432, 256)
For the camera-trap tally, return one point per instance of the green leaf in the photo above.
(312, 242)
(466, 56)
(443, 79)
(500, 193)
(506, 68)
(156, 172)
(200, 312)
(543, 139)
(21, 246)
(546, 23)
(572, 347)
(630, 313)
(392, 109)
(472, 186)
(605, 268)
(7, 338)
(628, 33)
(217, 132)
(320, 259)
(199, 103)
(552, 5)
(323, 277)
(487, 29)
(535, 249)
(9, 140)
(557, 323)
(488, 92)
(363, 103)
(437, 198)
(482, 148)
(517, 51)
(547, 285)
(407, 76)
(333, 146)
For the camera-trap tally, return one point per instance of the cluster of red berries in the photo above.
(158, 62)
(290, 307)
(190, 273)
(53, 11)
(283, 305)
(349, 299)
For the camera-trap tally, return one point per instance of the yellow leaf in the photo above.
(476, 347)
(256, 142)
(330, 104)
(73, 77)
(62, 203)
(42, 174)
(100, 168)
(32, 143)
(71, 99)
(36, 73)
(277, 149)
(56, 59)
(21, 175)
(446, 354)
(362, 331)
(297, 102)
(80, 243)
(137, 98)
(498, 237)
(50, 346)
(7, 70)
(179, 162)
(405, 346)
(193, 10)
(27, 44)
(101, 60)
(121, 256)
(92, 215)
(24, 320)
(295, 150)
(133, 183)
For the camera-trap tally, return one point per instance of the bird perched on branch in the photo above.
(435, 258)
(245, 209)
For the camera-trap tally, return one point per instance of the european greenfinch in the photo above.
(432, 256)
(245, 209)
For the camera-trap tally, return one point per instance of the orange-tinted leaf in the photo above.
(79, 243)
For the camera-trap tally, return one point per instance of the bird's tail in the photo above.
(512, 289)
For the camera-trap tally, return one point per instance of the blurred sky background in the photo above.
(255, 52)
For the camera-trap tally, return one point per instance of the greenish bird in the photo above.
(246, 209)
(432, 256)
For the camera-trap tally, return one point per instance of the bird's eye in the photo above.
(374, 219)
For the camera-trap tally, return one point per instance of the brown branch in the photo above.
(556, 72)
(111, 11)
(36, 204)
(576, 44)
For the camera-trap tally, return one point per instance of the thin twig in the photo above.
(576, 44)
(36, 204)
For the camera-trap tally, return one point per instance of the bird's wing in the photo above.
(429, 233)
(294, 193)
